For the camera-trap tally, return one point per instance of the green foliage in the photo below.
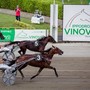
(75, 2)
(41, 5)
(4, 3)
(24, 25)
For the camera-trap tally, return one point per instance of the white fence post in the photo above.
(54, 21)
(62, 1)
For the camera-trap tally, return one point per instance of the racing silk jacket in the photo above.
(17, 12)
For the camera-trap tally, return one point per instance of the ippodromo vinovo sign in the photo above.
(76, 23)
(22, 34)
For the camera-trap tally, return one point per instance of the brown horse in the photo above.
(37, 45)
(32, 60)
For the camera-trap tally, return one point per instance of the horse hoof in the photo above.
(57, 75)
(22, 78)
(31, 78)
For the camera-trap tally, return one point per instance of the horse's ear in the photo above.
(53, 46)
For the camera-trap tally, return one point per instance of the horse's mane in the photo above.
(46, 51)
(42, 38)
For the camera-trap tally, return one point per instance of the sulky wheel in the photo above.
(9, 77)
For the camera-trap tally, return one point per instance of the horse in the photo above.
(1, 36)
(42, 61)
(37, 45)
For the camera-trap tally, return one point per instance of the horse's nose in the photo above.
(62, 52)
(54, 41)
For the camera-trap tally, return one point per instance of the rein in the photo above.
(51, 53)
(42, 43)
(23, 63)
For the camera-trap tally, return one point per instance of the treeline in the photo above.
(31, 5)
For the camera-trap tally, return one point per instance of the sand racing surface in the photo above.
(73, 68)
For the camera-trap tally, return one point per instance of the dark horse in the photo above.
(1, 36)
(45, 61)
(37, 45)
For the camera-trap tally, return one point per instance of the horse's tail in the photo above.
(15, 42)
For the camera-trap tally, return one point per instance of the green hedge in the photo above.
(24, 25)
(32, 5)
(4, 3)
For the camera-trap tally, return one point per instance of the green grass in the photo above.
(8, 21)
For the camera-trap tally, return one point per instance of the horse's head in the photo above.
(56, 50)
(51, 39)
(47, 39)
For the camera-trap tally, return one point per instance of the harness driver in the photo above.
(8, 56)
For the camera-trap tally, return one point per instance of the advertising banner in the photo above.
(8, 34)
(29, 34)
(76, 23)
(21, 34)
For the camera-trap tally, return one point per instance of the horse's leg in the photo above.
(21, 73)
(20, 68)
(37, 73)
(19, 52)
(22, 51)
(50, 67)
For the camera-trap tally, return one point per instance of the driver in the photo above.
(3, 48)
(8, 56)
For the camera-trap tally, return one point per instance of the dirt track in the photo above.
(74, 74)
